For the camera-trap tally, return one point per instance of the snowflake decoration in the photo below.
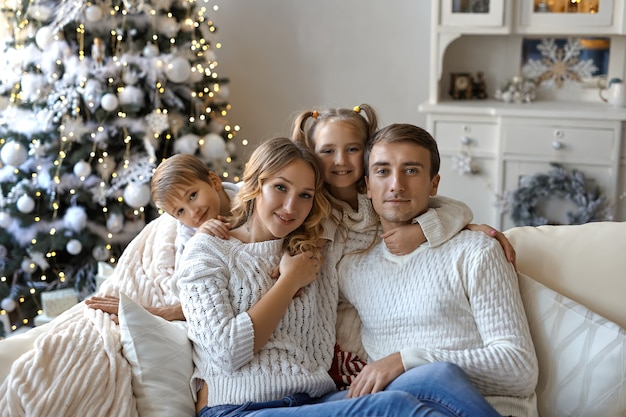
(157, 121)
(559, 66)
(138, 169)
(463, 164)
(37, 149)
(73, 128)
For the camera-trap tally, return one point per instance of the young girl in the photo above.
(260, 349)
(338, 137)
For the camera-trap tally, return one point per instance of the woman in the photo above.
(263, 345)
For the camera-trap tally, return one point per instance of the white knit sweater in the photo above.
(218, 281)
(458, 302)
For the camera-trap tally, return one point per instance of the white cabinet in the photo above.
(507, 142)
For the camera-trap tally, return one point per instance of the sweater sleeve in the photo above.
(444, 219)
(224, 336)
(506, 363)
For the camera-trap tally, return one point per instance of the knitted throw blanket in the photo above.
(76, 367)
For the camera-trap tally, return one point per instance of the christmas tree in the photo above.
(96, 94)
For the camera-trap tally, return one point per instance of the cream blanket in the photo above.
(76, 367)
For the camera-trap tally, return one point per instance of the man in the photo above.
(458, 302)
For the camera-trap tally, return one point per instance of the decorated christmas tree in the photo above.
(96, 94)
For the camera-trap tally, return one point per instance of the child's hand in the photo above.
(404, 239)
(216, 227)
(509, 250)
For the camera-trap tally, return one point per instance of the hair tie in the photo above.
(314, 114)
(357, 109)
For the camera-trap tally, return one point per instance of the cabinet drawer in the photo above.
(480, 137)
(561, 142)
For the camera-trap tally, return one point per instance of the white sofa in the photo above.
(574, 303)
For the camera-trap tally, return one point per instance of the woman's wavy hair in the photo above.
(267, 159)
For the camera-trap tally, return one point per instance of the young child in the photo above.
(186, 189)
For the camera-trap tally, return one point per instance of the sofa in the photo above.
(572, 279)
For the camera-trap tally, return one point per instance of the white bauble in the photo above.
(13, 153)
(75, 218)
(137, 195)
(187, 143)
(8, 304)
(115, 223)
(167, 25)
(93, 13)
(74, 247)
(5, 219)
(25, 204)
(214, 148)
(150, 50)
(31, 85)
(100, 253)
(131, 96)
(224, 91)
(178, 70)
(82, 169)
(109, 102)
(44, 37)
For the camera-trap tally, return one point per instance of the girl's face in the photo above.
(285, 201)
(194, 204)
(340, 148)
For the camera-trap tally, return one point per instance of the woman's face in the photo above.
(340, 147)
(285, 201)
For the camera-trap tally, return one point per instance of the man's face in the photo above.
(399, 182)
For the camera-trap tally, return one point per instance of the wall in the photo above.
(285, 56)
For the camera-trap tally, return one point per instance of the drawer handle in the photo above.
(466, 140)
(558, 134)
(557, 144)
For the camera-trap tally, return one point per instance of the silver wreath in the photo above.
(558, 182)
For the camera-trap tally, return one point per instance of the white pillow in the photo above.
(160, 355)
(582, 356)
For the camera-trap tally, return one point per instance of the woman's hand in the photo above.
(300, 270)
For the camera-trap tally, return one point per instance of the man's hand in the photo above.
(376, 376)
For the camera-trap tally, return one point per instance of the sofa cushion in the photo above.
(160, 355)
(582, 356)
(584, 262)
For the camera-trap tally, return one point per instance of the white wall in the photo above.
(285, 56)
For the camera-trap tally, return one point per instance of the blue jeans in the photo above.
(436, 390)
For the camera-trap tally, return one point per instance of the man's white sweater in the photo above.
(458, 302)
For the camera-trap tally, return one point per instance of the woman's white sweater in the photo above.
(218, 281)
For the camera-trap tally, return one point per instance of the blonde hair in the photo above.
(174, 172)
(267, 159)
(361, 118)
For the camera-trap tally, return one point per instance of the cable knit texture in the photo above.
(76, 366)
(218, 281)
(458, 302)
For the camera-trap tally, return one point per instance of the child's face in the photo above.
(194, 204)
(285, 201)
(340, 148)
